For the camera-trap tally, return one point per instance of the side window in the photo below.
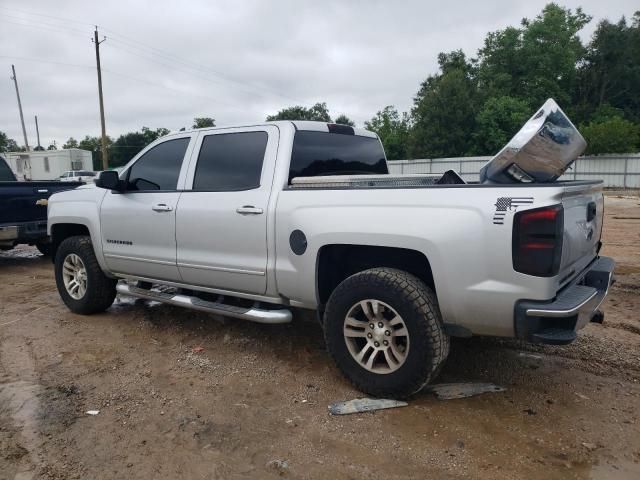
(159, 168)
(230, 162)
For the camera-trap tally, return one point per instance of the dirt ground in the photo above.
(253, 402)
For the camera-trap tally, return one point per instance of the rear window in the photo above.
(324, 153)
(84, 173)
(6, 175)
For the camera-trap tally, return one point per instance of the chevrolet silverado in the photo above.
(252, 221)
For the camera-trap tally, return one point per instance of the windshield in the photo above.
(323, 153)
(6, 175)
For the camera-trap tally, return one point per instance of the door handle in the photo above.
(161, 207)
(249, 210)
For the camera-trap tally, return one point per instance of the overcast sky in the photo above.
(165, 62)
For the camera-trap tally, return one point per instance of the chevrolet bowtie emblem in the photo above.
(43, 202)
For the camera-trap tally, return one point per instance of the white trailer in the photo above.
(48, 164)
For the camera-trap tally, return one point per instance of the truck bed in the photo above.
(449, 179)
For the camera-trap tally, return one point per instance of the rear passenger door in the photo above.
(222, 216)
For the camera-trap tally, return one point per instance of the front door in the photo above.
(138, 224)
(221, 222)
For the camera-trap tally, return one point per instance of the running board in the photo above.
(258, 315)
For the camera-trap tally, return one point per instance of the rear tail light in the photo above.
(537, 241)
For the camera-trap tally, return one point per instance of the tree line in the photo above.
(473, 106)
(120, 150)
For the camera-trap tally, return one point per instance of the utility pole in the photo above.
(38, 133)
(24, 130)
(105, 159)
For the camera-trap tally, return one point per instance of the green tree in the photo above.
(152, 135)
(501, 71)
(393, 130)
(609, 132)
(8, 144)
(52, 146)
(537, 60)
(342, 119)
(129, 144)
(125, 147)
(71, 143)
(38, 148)
(610, 72)
(94, 145)
(499, 119)
(319, 112)
(203, 122)
(444, 109)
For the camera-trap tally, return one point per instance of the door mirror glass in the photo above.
(109, 180)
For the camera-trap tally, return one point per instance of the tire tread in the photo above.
(424, 305)
(101, 290)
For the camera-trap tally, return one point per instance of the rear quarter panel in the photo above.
(454, 227)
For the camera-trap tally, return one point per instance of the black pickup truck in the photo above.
(23, 209)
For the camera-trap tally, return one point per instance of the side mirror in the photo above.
(110, 180)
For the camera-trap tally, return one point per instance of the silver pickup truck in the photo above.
(252, 221)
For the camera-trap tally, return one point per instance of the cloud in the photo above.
(166, 62)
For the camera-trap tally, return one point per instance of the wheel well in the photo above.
(337, 262)
(62, 231)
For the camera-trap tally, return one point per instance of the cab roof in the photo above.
(298, 125)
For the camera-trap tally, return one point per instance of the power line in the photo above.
(56, 29)
(119, 74)
(189, 64)
(44, 15)
(148, 49)
(38, 60)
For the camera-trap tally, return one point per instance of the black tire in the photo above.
(418, 307)
(101, 290)
(45, 248)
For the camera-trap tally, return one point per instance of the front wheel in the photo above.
(82, 284)
(384, 330)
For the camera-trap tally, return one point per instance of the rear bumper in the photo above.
(8, 233)
(557, 321)
(23, 233)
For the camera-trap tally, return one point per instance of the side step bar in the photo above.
(258, 315)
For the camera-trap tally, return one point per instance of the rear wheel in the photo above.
(82, 284)
(384, 330)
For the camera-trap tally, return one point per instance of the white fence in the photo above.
(619, 171)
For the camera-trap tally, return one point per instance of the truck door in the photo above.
(138, 224)
(222, 217)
